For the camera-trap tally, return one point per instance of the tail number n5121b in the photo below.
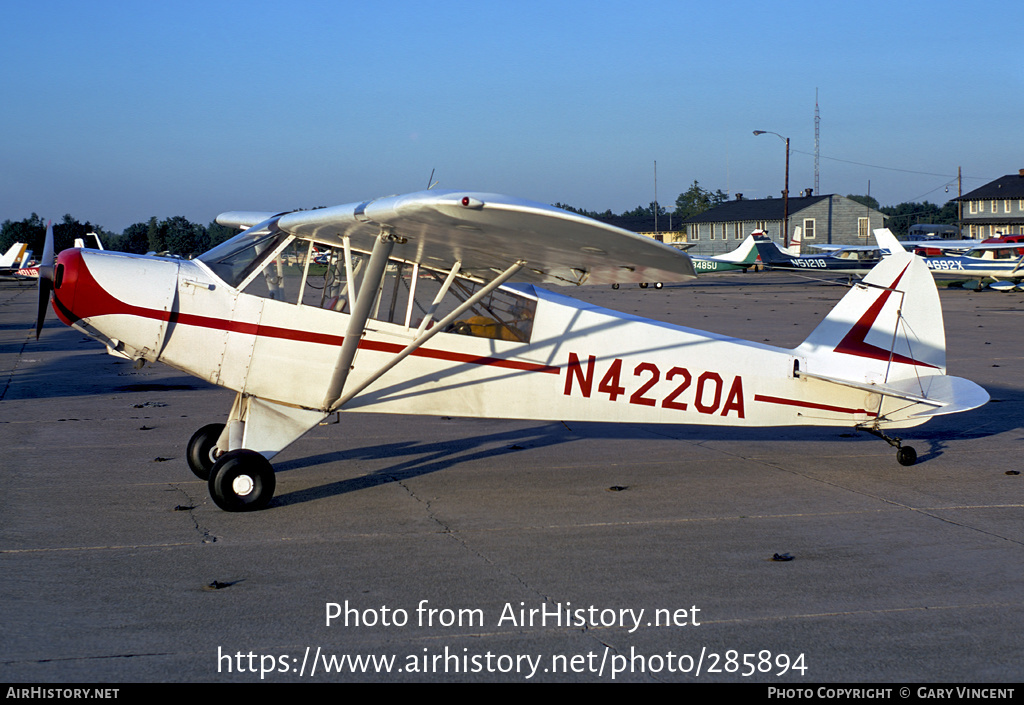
(705, 393)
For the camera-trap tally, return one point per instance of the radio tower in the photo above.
(817, 143)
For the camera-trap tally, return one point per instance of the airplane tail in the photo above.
(746, 253)
(886, 337)
(770, 252)
(13, 254)
(80, 242)
(794, 244)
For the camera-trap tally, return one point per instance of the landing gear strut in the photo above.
(905, 455)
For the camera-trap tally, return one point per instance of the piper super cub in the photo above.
(426, 304)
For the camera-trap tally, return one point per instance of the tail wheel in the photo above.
(906, 455)
(201, 449)
(242, 481)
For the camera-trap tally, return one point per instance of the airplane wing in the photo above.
(941, 244)
(833, 249)
(487, 233)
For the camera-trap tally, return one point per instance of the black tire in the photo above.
(906, 456)
(643, 285)
(615, 286)
(242, 481)
(658, 285)
(200, 450)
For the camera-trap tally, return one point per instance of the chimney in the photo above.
(808, 192)
(1020, 172)
(739, 196)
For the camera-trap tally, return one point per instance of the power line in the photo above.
(892, 168)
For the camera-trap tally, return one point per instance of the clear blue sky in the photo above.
(118, 111)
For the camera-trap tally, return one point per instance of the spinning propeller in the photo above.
(45, 278)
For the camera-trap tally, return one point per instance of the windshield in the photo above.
(235, 259)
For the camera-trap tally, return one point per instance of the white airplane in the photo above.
(14, 258)
(1003, 262)
(416, 313)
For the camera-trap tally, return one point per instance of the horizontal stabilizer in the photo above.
(944, 394)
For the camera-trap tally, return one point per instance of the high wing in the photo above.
(842, 248)
(941, 244)
(486, 233)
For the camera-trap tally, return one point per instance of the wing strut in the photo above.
(372, 278)
(424, 336)
(440, 297)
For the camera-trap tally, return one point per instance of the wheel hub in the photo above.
(242, 485)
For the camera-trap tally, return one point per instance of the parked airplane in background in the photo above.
(740, 259)
(415, 312)
(853, 260)
(14, 258)
(1002, 262)
(998, 259)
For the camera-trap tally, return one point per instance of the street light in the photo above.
(785, 192)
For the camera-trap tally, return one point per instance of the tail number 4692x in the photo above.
(705, 392)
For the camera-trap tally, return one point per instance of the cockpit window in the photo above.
(274, 265)
(234, 260)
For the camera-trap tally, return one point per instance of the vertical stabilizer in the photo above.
(888, 327)
(746, 253)
(794, 243)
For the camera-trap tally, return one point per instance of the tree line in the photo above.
(175, 235)
(179, 236)
(902, 216)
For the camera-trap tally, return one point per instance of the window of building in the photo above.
(808, 228)
(863, 225)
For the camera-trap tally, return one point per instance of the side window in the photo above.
(502, 315)
(282, 274)
(319, 277)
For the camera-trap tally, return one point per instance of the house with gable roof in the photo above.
(826, 220)
(995, 209)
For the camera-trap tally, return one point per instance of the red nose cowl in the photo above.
(70, 264)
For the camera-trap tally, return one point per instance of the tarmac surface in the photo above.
(441, 535)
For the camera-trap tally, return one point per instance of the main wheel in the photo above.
(906, 456)
(643, 285)
(201, 449)
(242, 481)
(658, 285)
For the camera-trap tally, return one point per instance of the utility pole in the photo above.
(817, 143)
(785, 191)
(656, 201)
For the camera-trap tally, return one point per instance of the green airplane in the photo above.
(743, 257)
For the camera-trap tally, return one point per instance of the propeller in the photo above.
(45, 278)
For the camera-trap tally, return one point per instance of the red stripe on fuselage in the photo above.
(811, 405)
(90, 299)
